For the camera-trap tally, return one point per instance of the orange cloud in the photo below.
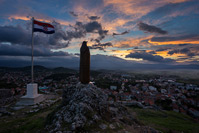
(19, 17)
(137, 7)
(189, 41)
(62, 22)
(112, 25)
(121, 54)
(132, 42)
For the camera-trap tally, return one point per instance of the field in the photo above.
(166, 121)
(26, 123)
(181, 75)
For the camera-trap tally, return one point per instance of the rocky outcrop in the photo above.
(85, 109)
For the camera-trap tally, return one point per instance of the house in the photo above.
(163, 91)
(151, 88)
(193, 113)
(125, 97)
(175, 107)
(149, 101)
(183, 111)
(113, 87)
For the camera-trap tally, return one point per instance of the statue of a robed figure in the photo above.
(84, 69)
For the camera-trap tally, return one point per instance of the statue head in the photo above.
(84, 43)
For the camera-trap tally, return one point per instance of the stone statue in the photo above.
(84, 64)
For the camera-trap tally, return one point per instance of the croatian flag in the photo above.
(43, 27)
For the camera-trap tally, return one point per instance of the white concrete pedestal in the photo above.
(32, 97)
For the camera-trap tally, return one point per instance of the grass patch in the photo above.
(28, 123)
(167, 121)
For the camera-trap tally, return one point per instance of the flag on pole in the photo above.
(43, 27)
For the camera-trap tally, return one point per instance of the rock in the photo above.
(67, 131)
(17, 108)
(3, 111)
(152, 130)
(35, 106)
(95, 117)
(103, 126)
(113, 109)
(73, 126)
(85, 105)
(112, 126)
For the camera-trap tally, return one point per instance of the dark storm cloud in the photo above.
(16, 41)
(183, 44)
(161, 49)
(73, 14)
(123, 33)
(96, 40)
(97, 47)
(54, 61)
(59, 39)
(149, 57)
(151, 28)
(23, 50)
(15, 35)
(82, 29)
(186, 51)
(18, 35)
(93, 27)
(152, 52)
(101, 46)
(77, 54)
(108, 44)
(93, 18)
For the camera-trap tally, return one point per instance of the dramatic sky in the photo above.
(117, 31)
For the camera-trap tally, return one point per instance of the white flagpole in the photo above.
(32, 67)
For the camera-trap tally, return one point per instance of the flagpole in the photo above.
(32, 67)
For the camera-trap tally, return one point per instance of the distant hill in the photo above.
(98, 62)
(63, 69)
(38, 68)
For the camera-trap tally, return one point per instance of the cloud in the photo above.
(94, 18)
(81, 30)
(15, 35)
(38, 17)
(20, 36)
(170, 11)
(24, 50)
(175, 39)
(97, 62)
(183, 44)
(133, 42)
(149, 57)
(137, 8)
(123, 33)
(151, 28)
(59, 39)
(161, 49)
(152, 52)
(93, 27)
(101, 46)
(16, 41)
(73, 14)
(186, 51)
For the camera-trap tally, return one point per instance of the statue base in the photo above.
(32, 97)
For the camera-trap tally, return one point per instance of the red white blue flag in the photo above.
(43, 27)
